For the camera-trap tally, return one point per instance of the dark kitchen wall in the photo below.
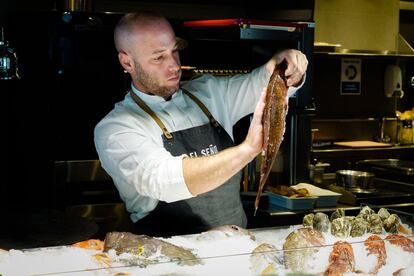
(70, 78)
(371, 102)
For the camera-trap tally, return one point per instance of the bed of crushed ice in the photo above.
(221, 254)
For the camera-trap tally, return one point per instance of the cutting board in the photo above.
(362, 144)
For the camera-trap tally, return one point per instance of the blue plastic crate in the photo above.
(299, 203)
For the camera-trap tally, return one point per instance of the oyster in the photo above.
(365, 212)
(338, 213)
(392, 224)
(383, 213)
(341, 227)
(359, 227)
(374, 224)
(321, 222)
(308, 219)
(300, 247)
(265, 259)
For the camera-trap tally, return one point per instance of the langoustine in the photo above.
(341, 259)
(405, 243)
(376, 246)
(274, 117)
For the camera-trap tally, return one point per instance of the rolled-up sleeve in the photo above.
(142, 166)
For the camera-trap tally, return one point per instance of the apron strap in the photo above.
(168, 134)
(213, 121)
(146, 108)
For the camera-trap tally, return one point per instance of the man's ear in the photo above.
(126, 62)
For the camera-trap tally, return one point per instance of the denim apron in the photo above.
(218, 207)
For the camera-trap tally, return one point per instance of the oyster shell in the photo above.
(392, 224)
(308, 219)
(321, 222)
(365, 212)
(383, 213)
(359, 227)
(338, 213)
(341, 227)
(375, 224)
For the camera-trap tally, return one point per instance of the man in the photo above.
(168, 146)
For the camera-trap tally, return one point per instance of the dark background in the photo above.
(71, 78)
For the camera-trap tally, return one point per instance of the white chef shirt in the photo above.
(130, 146)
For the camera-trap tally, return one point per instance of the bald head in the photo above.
(132, 25)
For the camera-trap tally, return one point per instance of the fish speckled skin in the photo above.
(300, 248)
(146, 248)
(274, 117)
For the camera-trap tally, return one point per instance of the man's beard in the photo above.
(151, 85)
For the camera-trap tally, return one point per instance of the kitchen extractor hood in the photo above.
(360, 27)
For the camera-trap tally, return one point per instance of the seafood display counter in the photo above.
(375, 242)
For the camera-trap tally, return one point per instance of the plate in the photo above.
(325, 198)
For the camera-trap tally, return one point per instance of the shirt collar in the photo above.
(152, 99)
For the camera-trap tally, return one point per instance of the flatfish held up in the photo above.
(147, 250)
(274, 116)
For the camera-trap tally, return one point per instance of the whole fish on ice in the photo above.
(147, 250)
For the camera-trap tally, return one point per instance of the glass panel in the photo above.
(231, 250)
